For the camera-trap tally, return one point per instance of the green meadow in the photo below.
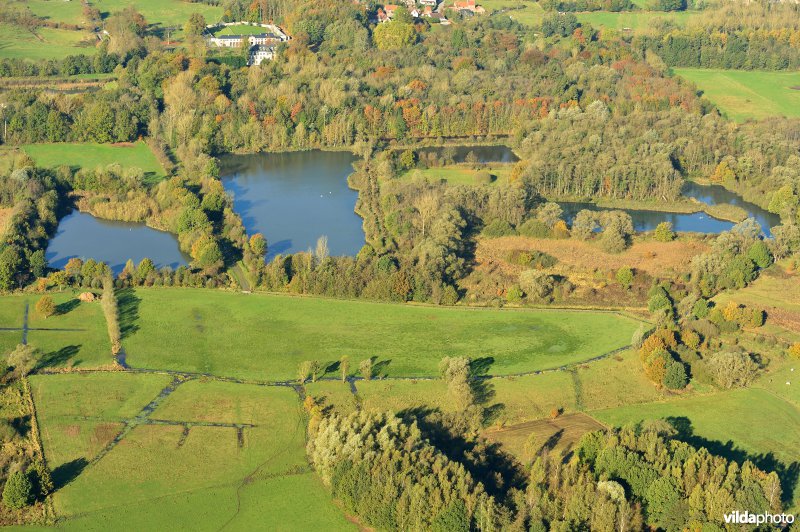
(46, 43)
(92, 155)
(631, 20)
(266, 337)
(460, 174)
(209, 455)
(745, 95)
(75, 336)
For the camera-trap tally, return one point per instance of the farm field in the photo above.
(92, 155)
(268, 336)
(218, 455)
(77, 337)
(748, 95)
(48, 43)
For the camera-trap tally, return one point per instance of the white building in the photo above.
(259, 53)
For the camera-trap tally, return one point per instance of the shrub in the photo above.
(365, 367)
(536, 284)
(535, 229)
(449, 295)
(675, 377)
(625, 277)
(760, 254)
(46, 307)
(498, 228)
(560, 229)
(541, 260)
(690, 339)
(514, 294)
(701, 308)
(18, 491)
(794, 350)
(732, 370)
(584, 224)
(664, 233)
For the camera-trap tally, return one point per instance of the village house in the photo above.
(259, 53)
(262, 45)
(429, 3)
(468, 5)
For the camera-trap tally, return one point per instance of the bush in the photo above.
(534, 228)
(732, 370)
(498, 228)
(675, 377)
(794, 350)
(760, 254)
(45, 307)
(625, 277)
(664, 232)
(690, 339)
(537, 284)
(514, 294)
(18, 491)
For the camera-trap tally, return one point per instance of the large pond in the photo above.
(295, 198)
(698, 222)
(83, 236)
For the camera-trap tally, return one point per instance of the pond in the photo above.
(717, 195)
(83, 236)
(295, 198)
(483, 154)
(698, 222)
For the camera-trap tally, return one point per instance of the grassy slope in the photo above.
(85, 348)
(150, 481)
(17, 42)
(163, 12)
(92, 155)
(635, 20)
(267, 337)
(746, 95)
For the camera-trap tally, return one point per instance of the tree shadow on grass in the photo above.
(58, 357)
(789, 474)
(67, 306)
(379, 367)
(67, 472)
(128, 303)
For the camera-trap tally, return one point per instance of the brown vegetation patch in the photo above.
(652, 257)
(525, 440)
(104, 433)
(5, 215)
(72, 430)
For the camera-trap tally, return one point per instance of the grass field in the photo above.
(460, 174)
(744, 95)
(86, 345)
(172, 471)
(778, 292)
(92, 155)
(631, 20)
(163, 12)
(47, 43)
(266, 337)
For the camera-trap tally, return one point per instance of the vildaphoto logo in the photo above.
(746, 518)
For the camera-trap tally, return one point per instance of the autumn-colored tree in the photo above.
(46, 307)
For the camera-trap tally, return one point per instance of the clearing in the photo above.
(653, 257)
(201, 455)
(460, 174)
(264, 337)
(92, 155)
(745, 95)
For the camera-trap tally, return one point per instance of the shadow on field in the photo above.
(58, 358)
(66, 473)
(67, 306)
(128, 304)
(788, 474)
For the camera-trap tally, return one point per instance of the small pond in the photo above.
(294, 198)
(698, 222)
(483, 154)
(83, 236)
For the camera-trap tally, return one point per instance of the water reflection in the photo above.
(83, 236)
(294, 198)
